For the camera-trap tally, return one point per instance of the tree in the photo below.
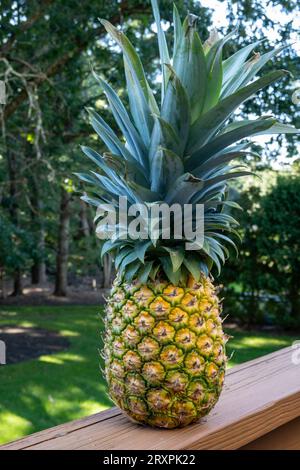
(49, 83)
(46, 51)
(269, 259)
(278, 241)
(17, 246)
(61, 282)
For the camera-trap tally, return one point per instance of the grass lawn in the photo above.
(53, 389)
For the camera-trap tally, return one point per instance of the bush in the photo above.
(17, 247)
(269, 260)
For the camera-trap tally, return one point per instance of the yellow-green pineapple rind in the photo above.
(164, 350)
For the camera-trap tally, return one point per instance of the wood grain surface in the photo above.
(259, 397)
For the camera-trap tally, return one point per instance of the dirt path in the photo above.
(23, 344)
(42, 295)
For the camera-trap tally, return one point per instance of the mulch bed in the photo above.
(23, 344)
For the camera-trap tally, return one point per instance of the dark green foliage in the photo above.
(266, 274)
(50, 61)
(53, 54)
(17, 247)
(278, 243)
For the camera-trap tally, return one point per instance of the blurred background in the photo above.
(51, 277)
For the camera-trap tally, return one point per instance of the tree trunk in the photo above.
(2, 283)
(34, 274)
(61, 279)
(294, 298)
(42, 276)
(107, 269)
(14, 211)
(84, 222)
(18, 285)
(38, 270)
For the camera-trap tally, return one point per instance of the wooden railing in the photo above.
(258, 409)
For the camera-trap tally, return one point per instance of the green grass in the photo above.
(56, 388)
(248, 345)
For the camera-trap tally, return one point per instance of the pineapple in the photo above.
(164, 346)
(165, 349)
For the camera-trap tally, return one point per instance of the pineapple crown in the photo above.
(181, 151)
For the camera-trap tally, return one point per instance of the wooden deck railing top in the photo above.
(260, 398)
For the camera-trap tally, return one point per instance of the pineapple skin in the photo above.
(164, 350)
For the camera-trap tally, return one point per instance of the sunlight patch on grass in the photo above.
(74, 406)
(231, 364)
(69, 333)
(51, 359)
(258, 342)
(12, 425)
(67, 356)
(248, 345)
(27, 324)
(61, 358)
(89, 407)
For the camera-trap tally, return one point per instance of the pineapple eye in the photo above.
(177, 381)
(143, 296)
(117, 369)
(205, 345)
(117, 388)
(119, 348)
(212, 371)
(129, 310)
(137, 406)
(194, 363)
(196, 391)
(131, 336)
(190, 302)
(159, 307)
(153, 372)
(185, 338)
(132, 360)
(178, 317)
(159, 399)
(173, 293)
(119, 296)
(184, 410)
(144, 322)
(171, 356)
(148, 348)
(163, 332)
(134, 383)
